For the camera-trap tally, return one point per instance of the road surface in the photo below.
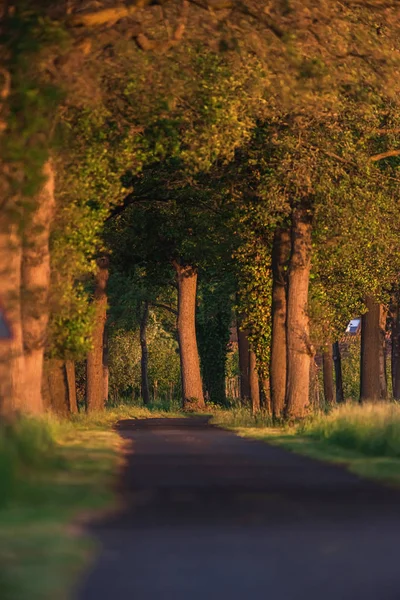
(210, 516)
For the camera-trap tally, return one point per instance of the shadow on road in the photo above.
(200, 502)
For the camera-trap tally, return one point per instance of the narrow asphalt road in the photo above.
(208, 515)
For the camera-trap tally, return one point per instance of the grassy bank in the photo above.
(365, 439)
(51, 473)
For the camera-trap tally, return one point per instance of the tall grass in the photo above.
(373, 429)
(25, 444)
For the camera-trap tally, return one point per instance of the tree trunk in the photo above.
(71, 384)
(395, 315)
(280, 257)
(144, 363)
(373, 384)
(94, 364)
(35, 291)
(106, 370)
(192, 387)
(254, 383)
(266, 394)
(327, 367)
(55, 387)
(299, 348)
(11, 351)
(244, 367)
(337, 359)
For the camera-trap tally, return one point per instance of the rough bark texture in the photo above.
(244, 367)
(280, 257)
(254, 383)
(106, 370)
(35, 290)
(327, 367)
(11, 351)
(55, 387)
(299, 349)
(94, 363)
(192, 387)
(373, 386)
(395, 315)
(144, 363)
(337, 359)
(266, 394)
(71, 383)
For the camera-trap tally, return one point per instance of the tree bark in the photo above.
(266, 394)
(254, 383)
(278, 372)
(106, 370)
(327, 368)
(71, 385)
(35, 291)
(144, 363)
(11, 351)
(192, 387)
(94, 363)
(337, 359)
(55, 387)
(244, 366)
(373, 384)
(299, 348)
(395, 366)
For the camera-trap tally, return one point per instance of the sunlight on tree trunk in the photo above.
(11, 351)
(55, 387)
(35, 291)
(280, 256)
(373, 384)
(299, 348)
(94, 364)
(254, 383)
(192, 387)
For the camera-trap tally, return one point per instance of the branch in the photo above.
(107, 16)
(161, 305)
(383, 155)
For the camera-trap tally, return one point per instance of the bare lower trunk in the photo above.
(266, 394)
(71, 384)
(299, 348)
(11, 351)
(254, 383)
(106, 370)
(280, 257)
(327, 367)
(35, 291)
(337, 359)
(395, 338)
(94, 364)
(192, 387)
(244, 367)
(144, 363)
(373, 385)
(55, 387)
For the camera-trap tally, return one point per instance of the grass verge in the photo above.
(364, 439)
(51, 473)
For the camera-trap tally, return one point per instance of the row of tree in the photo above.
(255, 149)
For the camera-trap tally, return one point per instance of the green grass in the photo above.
(53, 473)
(365, 439)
